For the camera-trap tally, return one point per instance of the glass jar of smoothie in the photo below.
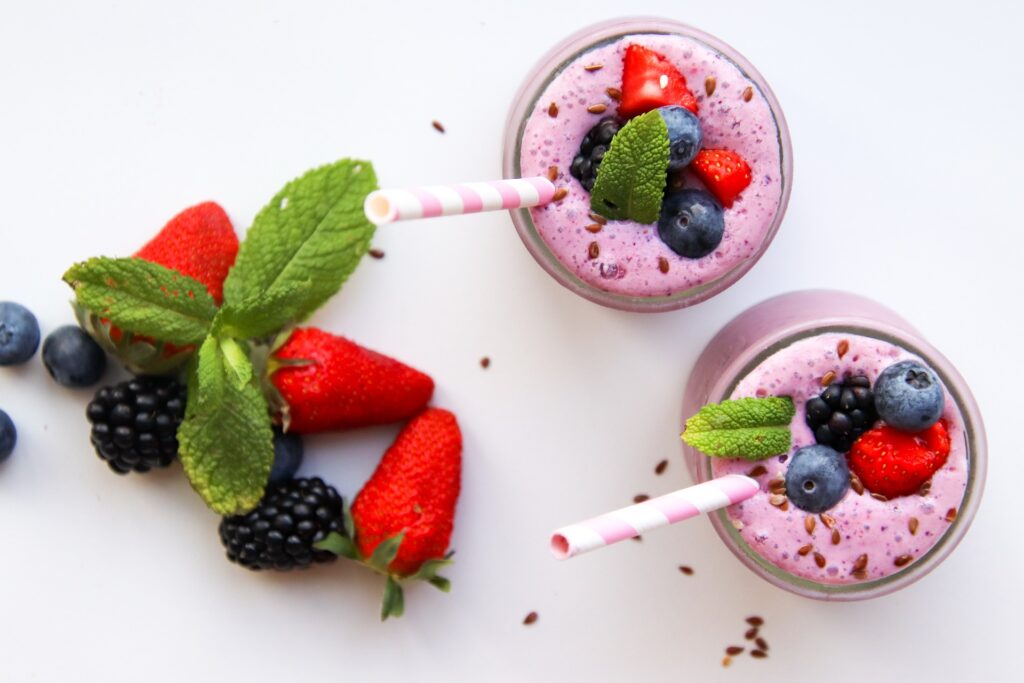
(624, 264)
(867, 544)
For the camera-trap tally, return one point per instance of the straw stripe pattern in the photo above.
(657, 512)
(387, 206)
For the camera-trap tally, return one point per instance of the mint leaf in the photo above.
(225, 442)
(303, 245)
(262, 315)
(751, 428)
(144, 297)
(631, 179)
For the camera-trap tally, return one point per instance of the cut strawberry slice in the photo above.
(895, 463)
(724, 173)
(650, 81)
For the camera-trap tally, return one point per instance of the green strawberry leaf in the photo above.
(393, 604)
(632, 176)
(429, 569)
(225, 442)
(339, 545)
(385, 552)
(144, 297)
(261, 315)
(346, 518)
(440, 583)
(313, 232)
(751, 428)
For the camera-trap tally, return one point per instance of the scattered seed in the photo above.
(594, 227)
(804, 549)
(663, 264)
(593, 251)
(485, 362)
(552, 173)
(660, 467)
(809, 523)
(597, 108)
(637, 538)
(758, 654)
(757, 471)
(835, 537)
(828, 378)
(686, 570)
(761, 644)
(912, 525)
(748, 93)
(828, 520)
(879, 496)
(776, 499)
(755, 621)
(726, 661)
(709, 85)
(598, 218)
(861, 563)
(376, 253)
(437, 126)
(552, 110)
(738, 525)
(530, 618)
(751, 633)
(902, 560)
(856, 484)
(560, 194)
(640, 497)
(613, 93)
(842, 347)
(593, 67)
(950, 514)
(819, 560)
(926, 488)
(734, 650)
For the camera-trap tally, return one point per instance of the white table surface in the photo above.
(906, 129)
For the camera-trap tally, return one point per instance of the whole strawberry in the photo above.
(327, 382)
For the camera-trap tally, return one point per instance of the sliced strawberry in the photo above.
(650, 81)
(723, 172)
(895, 463)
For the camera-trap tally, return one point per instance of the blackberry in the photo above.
(135, 423)
(594, 146)
(842, 412)
(280, 532)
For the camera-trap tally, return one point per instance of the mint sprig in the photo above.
(751, 428)
(632, 176)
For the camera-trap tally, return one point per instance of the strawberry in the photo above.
(199, 242)
(724, 173)
(650, 81)
(327, 382)
(895, 463)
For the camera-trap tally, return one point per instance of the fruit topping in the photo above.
(895, 463)
(723, 172)
(692, 223)
(817, 478)
(19, 333)
(908, 396)
(135, 423)
(842, 412)
(288, 452)
(649, 81)
(631, 179)
(684, 136)
(593, 147)
(72, 358)
(8, 436)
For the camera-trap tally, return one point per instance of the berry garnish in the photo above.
(684, 136)
(135, 423)
(631, 181)
(592, 150)
(723, 172)
(650, 81)
(19, 333)
(692, 223)
(908, 396)
(842, 412)
(8, 436)
(288, 452)
(72, 358)
(896, 463)
(817, 478)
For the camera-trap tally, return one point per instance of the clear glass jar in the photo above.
(526, 101)
(762, 330)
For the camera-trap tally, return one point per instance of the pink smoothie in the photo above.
(878, 529)
(628, 262)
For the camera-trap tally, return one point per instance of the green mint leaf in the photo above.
(144, 297)
(339, 545)
(261, 315)
(751, 428)
(385, 552)
(313, 232)
(393, 604)
(225, 442)
(631, 179)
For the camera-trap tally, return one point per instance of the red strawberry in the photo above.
(895, 463)
(724, 173)
(334, 384)
(650, 81)
(199, 242)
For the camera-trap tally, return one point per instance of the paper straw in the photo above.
(631, 521)
(388, 206)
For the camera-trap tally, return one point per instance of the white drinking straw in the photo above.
(387, 206)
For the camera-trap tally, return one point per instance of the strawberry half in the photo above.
(650, 81)
(895, 463)
(723, 172)
(327, 382)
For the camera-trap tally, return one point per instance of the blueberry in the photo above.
(73, 358)
(692, 223)
(19, 333)
(287, 456)
(8, 435)
(684, 136)
(817, 478)
(908, 396)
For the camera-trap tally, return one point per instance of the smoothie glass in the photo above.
(773, 325)
(629, 277)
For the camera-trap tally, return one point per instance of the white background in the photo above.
(906, 124)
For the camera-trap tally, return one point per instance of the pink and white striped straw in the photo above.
(388, 206)
(631, 521)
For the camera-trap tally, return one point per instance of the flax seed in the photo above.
(926, 488)
(809, 524)
(709, 85)
(951, 514)
(835, 537)
(751, 633)
(530, 618)
(879, 496)
(598, 218)
(757, 471)
(560, 194)
(376, 253)
(485, 362)
(552, 173)
(761, 644)
(755, 621)
(748, 93)
(734, 650)
(912, 525)
(660, 467)
(856, 484)
(663, 264)
(552, 110)
(785, 505)
(804, 549)
(758, 654)
(861, 563)
(828, 378)
(640, 497)
(842, 347)
(594, 227)
(726, 661)
(437, 126)
(828, 520)
(819, 560)
(686, 570)
(593, 67)
(597, 108)
(613, 93)
(593, 251)
(902, 560)
(777, 499)
(860, 574)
